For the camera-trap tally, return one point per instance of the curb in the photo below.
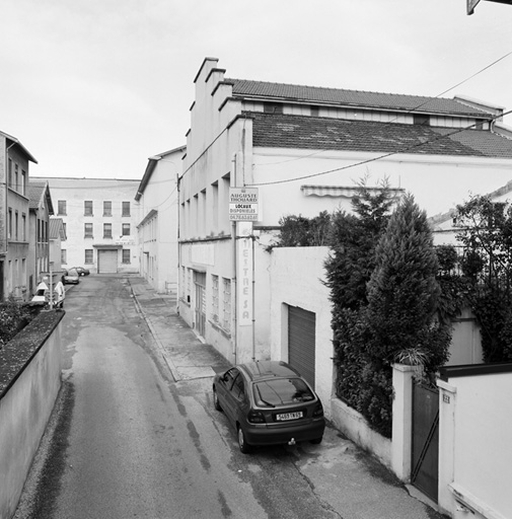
(172, 368)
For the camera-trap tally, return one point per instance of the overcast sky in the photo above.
(93, 88)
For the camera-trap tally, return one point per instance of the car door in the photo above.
(224, 391)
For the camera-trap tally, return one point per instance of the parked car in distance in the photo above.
(70, 277)
(82, 271)
(269, 403)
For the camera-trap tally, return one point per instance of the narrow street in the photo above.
(128, 440)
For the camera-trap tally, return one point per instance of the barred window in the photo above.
(61, 204)
(226, 300)
(88, 256)
(215, 298)
(126, 256)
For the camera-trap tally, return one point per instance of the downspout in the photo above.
(178, 237)
(235, 306)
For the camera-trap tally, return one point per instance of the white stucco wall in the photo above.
(475, 455)
(438, 183)
(296, 276)
(158, 237)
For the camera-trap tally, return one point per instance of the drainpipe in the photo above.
(235, 306)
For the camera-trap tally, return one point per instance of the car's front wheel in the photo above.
(216, 402)
(245, 448)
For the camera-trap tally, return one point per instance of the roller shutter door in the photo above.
(107, 261)
(301, 342)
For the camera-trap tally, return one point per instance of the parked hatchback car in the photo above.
(70, 277)
(269, 403)
(82, 271)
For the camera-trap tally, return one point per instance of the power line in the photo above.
(374, 159)
(407, 112)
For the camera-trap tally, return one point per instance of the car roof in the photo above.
(265, 369)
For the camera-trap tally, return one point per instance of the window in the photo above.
(107, 230)
(9, 224)
(61, 207)
(87, 230)
(273, 108)
(126, 209)
(226, 300)
(215, 298)
(237, 389)
(16, 178)
(23, 181)
(64, 256)
(126, 256)
(421, 119)
(16, 225)
(315, 111)
(88, 208)
(107, 208)
(126, 229)
(23, 227)
(9, 179)
(88, 256)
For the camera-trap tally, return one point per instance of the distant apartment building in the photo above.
(100, 218)
(14, 216)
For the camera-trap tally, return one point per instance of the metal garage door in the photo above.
(301, 342)
(107, 261)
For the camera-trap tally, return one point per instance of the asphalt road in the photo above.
(126, 441)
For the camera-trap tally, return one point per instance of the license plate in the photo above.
(288, 416)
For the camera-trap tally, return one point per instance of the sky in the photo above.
(93, 88)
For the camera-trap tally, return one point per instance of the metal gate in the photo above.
(425, 440)
(301, 342)
(200, 303)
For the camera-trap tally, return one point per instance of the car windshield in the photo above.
(281, 391)
(72, 272)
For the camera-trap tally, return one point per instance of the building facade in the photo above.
(100, 218)
(157, 230)
(258, 151)
(14, 217)
(41, 208)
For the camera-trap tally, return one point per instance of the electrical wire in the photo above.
(374, 159)
(407, 112)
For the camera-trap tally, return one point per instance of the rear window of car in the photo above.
(281, 391)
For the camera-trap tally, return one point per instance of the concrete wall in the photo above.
(475, 426)
(30, 379)
(296, 276)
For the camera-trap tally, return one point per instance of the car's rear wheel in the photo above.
(245, 448)
(317, 441)
(216, 402)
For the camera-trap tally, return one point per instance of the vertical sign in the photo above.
(244, 281)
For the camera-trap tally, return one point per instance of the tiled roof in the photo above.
(320, 133)
(56, 229)
(35, 192)
(353, 98)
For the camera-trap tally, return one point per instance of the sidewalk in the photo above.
(187, 357)
(350, 481)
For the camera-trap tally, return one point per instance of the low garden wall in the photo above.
(30, 379)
